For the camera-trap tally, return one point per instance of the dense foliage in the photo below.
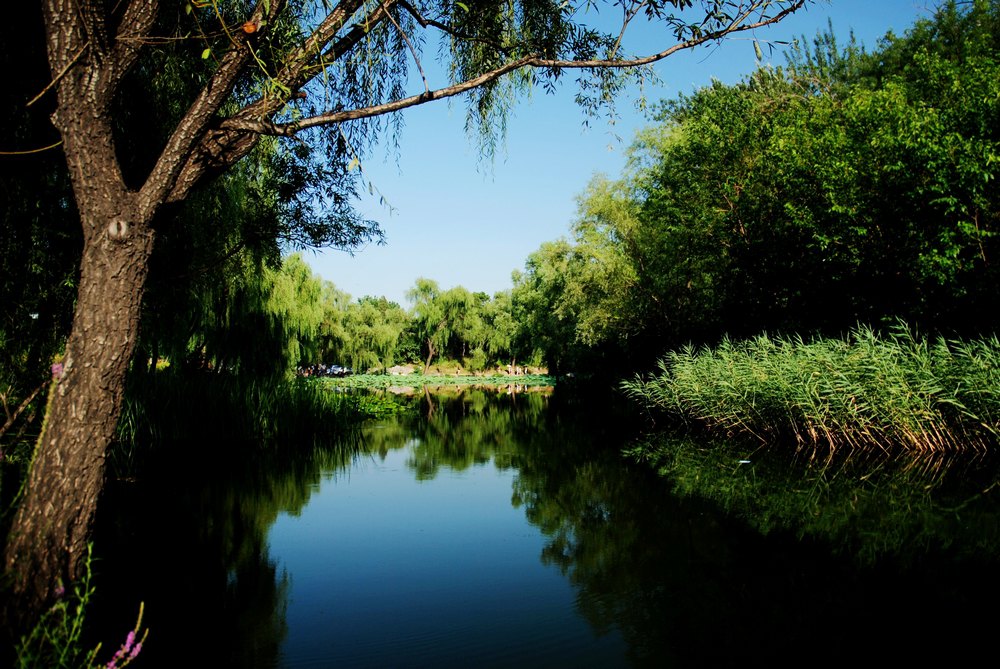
(847, 187)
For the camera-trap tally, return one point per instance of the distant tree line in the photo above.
(272, 320)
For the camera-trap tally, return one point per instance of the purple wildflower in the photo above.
(128, 652)
(57, 370)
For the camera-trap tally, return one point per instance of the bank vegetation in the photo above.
(866, 390)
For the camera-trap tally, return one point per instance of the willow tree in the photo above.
(373, 327)
(325, 73)
(431, 320)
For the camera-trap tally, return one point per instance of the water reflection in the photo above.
(189, 540)
(728, 557)
(867, 505)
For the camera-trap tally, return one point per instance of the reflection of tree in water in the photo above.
(867, 505)
(683, 579)
(191, 543)
(461, 430)
(789, 576)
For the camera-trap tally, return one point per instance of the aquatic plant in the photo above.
(383, 381)
(865, 390)
(372, 405)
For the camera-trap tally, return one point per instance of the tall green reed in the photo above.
(865, 390)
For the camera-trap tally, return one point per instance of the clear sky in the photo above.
(459, 221)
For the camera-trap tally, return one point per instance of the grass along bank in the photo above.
(895, 390)
(171, 408)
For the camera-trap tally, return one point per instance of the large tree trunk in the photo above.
(91, 48)
(48, 540)
(47, 543)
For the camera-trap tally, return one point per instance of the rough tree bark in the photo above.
(48, 539)
(47, 544)
(46, 549)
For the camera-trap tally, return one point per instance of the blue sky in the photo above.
(460, 221)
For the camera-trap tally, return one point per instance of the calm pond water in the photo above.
(508, 530)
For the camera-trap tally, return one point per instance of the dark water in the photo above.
(490, 530)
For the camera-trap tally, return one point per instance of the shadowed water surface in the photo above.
(500, 530)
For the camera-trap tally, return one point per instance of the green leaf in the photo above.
(206, 53)
(463, 6)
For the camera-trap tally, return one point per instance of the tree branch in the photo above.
(231, 140)
(627, 16)
(59, 75)
(449, 29)
(235, 136)
(20, 409)
(136, 23)
(293, 77)
(94, 22)
(409, 45)
(240, 122)
(181, 156)
(269, 128)
(65, 37)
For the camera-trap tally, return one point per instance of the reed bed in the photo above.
(887, 391)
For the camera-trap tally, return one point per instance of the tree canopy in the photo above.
(846, 187)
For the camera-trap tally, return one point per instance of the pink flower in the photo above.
(57, 370)
(128, 651)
